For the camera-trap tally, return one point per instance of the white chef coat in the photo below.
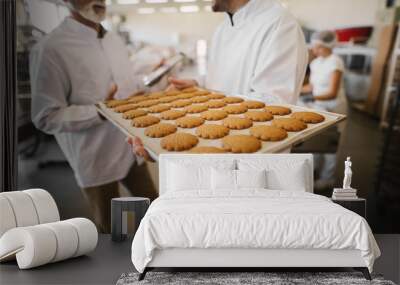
(71, 70)
(322, 69)
(262, 55)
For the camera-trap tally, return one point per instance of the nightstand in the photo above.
(358, 206)
(119, 207)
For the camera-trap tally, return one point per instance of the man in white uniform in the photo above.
(74, 67)
(259, 50)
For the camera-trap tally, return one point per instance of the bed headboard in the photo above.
(306, 160)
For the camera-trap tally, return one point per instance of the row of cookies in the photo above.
(179, 99)
(235, 144)
(155, 102)
(167, 113)
(163, 97)
(230, 143)
(132, 111)
(297, 122)
(198, 104)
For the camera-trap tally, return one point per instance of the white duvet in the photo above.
(250, 219)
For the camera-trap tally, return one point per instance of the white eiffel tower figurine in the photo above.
(347, 192)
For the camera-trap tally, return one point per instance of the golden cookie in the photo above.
(233, 100)
(259, 116)
(138, 98)
(125, 108)
(160, 130)
(186, 96)
(309, 117)
(155, 95)
(159, 108)
(148, 103)
(189, 90)
(235, 109)
(215, 96)
(237, 123)
(215, 104)
(181, 103)
(201, 99)
(268, 133)
(179, 142)
(278, 110)
(253, 104)
(168, 99)
(214, 115)
(172, 114)
(145, 121)
(189, 122)
(241, 144)
(134, 114)
(206, 149)
(172, 93)
(194, 109)
(212, 132)
(289, 124)
(116, 103)
(201, 93)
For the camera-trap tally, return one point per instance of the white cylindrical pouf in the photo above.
(45, 205)
(87, 233)
(23, 208)
(34, 246)
(67, 240)
(41, 244)
(7, 218)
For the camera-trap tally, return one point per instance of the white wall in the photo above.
(170, 28)
(331, 14)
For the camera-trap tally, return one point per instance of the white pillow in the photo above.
(184, 176)
(237, 179)
(291, 180)
(223, 179)
(285, 174)
(251, 178)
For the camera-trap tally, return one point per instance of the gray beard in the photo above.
(88, 13)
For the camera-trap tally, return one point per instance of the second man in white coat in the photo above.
(259, 50)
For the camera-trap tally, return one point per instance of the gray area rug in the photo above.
(243, 278)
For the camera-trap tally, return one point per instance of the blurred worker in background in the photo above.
(73, 68)
(325, 91)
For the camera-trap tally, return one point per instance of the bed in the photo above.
(247, 211)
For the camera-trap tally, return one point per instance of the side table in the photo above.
(137, 205)
(358, 206)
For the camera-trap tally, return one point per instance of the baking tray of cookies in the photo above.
(202, 121)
